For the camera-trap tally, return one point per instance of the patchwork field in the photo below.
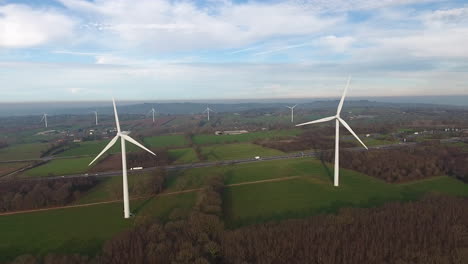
(6, 168)
(60, 167)
(183, 155)
(236, 151)
(214, 139)
(23, 151)
(93, 148)
(166, 141)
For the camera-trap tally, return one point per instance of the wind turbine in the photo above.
(123, 135)
(338, 120)
(292, 112)
(208, 110)
(96, 115)
(44, 117)
(153, 112)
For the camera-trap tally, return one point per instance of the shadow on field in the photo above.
(327, 170)
(142, 205)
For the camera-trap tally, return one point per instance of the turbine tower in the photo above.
(96, 115)
(338, 120)
(208, 110)
(292, 112)
(44, 117)
(153, 112)
(123, 135)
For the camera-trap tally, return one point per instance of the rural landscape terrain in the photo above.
(233, 132)
(212, 181)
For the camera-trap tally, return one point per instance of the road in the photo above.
(222, 163)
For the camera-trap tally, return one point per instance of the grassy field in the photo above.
(93, 148)
(247, 172)
(237, 151)
(214, 139)
(6, 168)
(23, 151)
(166, 141)
(183, 155)
(376, 142)
(313, 193)
(78, 230)
(60, 167)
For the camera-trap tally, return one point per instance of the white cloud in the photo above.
(337, 44)
(169, 26)
(22, 26)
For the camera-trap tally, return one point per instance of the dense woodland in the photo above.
(23, 195)
(406, 164)
(432, 230)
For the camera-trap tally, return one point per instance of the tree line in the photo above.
(406, 164)
(24, 195)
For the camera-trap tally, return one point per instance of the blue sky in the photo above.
(219, 49)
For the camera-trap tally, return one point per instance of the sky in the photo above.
(71, 50)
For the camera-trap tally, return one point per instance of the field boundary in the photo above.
(143, 197)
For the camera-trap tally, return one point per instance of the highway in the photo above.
(217, 163)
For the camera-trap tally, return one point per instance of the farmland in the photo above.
(236, 151)
(60, 167)
(204, 139)
(78, 230)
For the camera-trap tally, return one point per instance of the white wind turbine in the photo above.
(338, 120)
(153, 112)
(292, 112)
(123, 135)
(208, 110)
(96, 115)
(44, 117)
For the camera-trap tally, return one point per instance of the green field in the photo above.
(236, 151)
(247, 172)
(214, 139)
(183, 155)
(93, 148)
(314, 193)
(60, 167)
(23, 151)
(78, 230)
(166, 141)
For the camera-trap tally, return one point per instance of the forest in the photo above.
(23, 195)
(406, 164)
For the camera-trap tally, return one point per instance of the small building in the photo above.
(231, 132)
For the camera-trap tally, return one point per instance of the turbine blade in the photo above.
(42, 118)
(131, 140)
(117, 124)
(294, 105)
(351, 131)
(340, 106)
(318, 121)
(111, 143)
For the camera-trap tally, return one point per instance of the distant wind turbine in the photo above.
(96, 115)
(292, 112)
(153, 112)
(338, 120)
(208, 110)
(123, 135)
(44, 117)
